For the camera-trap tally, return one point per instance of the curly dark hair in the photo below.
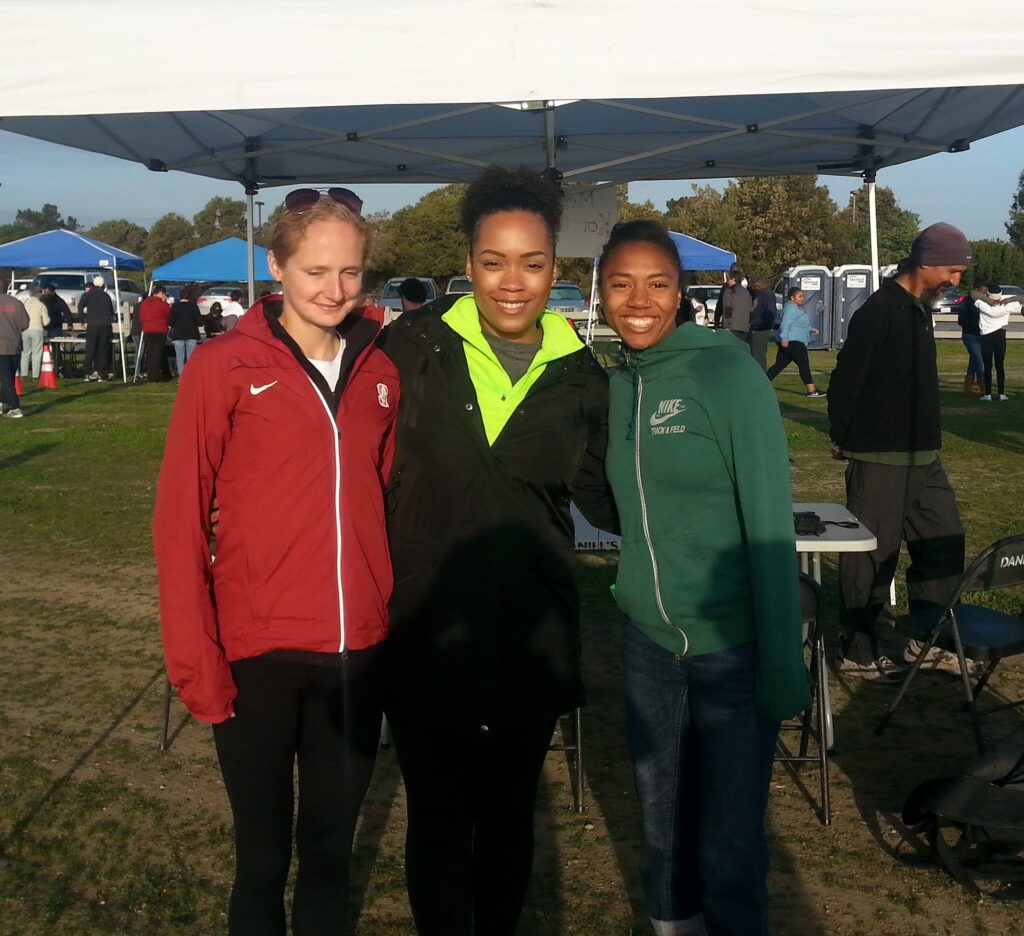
(499, 189)
(643, 232)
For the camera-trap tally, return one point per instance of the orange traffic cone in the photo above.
(47, 378)
(17, 385)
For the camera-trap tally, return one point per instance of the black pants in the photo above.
(328, 718)
(9, 364)
(993, 345)
(796, 353)
(896, 502)
(469, 843)
(154, 345)
(98, 350)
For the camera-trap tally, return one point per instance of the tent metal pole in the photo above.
(249, 235)
(873, 227)
(592, 311)
(120, 325)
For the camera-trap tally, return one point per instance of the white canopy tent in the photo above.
(433, 90)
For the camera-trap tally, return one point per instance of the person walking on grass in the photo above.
(885, 420)
(794, 332)
(13, 321)
(762, 320)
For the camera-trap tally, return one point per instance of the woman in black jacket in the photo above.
(184, 323)
(503, 421)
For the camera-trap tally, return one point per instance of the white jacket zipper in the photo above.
(637, 432)
(336, 434)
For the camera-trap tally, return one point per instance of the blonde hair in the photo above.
(290, 227)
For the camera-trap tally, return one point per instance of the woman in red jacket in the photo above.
(287, 420)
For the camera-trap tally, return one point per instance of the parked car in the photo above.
(1012, 290)
(70, 284)
(711, 292)
(949, 302)
(391, 301)
(459, 286)
(17, 286)
(219, 294)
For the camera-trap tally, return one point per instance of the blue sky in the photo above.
(972, 189)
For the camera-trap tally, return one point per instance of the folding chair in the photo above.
(814, 643)
(971, 631)
(574, 748)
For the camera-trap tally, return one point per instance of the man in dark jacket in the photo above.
(60, 316)
(97, 309)
(734, 306)
(762, 320)
(13, 321)
(883, 407)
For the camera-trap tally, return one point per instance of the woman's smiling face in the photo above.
(512, 266)
(640, 293)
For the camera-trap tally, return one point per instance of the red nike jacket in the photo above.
(298, 471)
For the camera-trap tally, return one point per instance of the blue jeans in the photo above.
(702, 763)
(182, 352)
(975, 361)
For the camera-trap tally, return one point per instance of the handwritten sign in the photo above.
(588, 214)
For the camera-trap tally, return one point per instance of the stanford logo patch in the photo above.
(382, 395)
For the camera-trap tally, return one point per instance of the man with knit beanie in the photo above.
(883, 408)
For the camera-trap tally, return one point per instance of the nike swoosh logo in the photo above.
(657, 420)
(256, 391)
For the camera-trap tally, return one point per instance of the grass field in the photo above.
(101, 833)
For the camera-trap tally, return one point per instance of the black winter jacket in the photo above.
(96, 308)
(184, 321)
(485, 614)
(884, 392)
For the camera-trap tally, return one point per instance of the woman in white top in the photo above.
(32, 337)
(995, 310)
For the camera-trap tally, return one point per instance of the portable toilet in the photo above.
(816, 284)
(851, 286)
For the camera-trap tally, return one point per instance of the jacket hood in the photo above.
(686, 337)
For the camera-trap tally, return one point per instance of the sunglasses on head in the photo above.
(305, 198)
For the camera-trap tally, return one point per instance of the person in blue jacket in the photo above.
(794, 332)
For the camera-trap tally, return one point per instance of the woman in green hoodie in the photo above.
(698, 463)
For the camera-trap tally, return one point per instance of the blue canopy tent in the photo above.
(698, 255)
(53, 249)
(227, 261)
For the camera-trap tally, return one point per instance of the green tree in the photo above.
(28, 221)
(219, 218)
(706, 215)
(1015, 226)
(122, 234)
(994, 260)
(785, 220)
(636, 211)
(169, 237)
(420, 240)
(897, 227)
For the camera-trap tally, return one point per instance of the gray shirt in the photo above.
(514, 356)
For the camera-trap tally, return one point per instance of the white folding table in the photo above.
(835, 539)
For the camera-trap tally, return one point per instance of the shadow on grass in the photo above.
(19, 458)
(58, 785)
(40, 401)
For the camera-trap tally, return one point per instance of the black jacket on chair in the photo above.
(484, 619)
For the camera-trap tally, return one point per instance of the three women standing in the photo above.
(288, 420)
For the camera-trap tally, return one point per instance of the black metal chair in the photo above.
(573, 746)
(812, 722)
(971, 631)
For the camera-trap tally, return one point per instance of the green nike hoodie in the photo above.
(699, 466)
